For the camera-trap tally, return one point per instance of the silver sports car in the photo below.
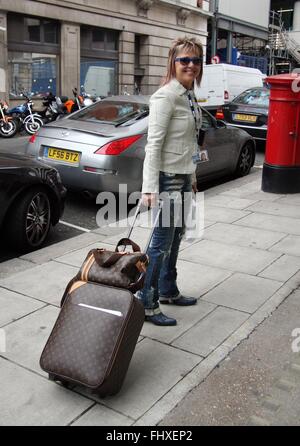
(102, 146)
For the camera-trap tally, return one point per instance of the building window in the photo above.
(51, 33)
(99, 61)
(25, 30)
(94, 38)
(32, 29)
(32, 73)
(33, 54)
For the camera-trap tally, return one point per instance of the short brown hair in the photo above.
(189, 44)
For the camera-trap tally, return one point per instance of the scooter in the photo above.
(53, 108)
(75, 104)
(8, 125)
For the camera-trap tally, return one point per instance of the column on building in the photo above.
(153, 59)
(3, 56)
(296, 19)
(70, 58)
(126, 62)
(229, 47)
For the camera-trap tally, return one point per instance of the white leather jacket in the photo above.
(171, 135)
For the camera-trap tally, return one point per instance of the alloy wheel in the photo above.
(245, 160)
(37, 219)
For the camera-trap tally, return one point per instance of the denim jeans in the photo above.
(160, 279)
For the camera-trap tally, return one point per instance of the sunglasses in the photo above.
(185, 61)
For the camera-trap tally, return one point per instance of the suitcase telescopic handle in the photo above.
(137, 212)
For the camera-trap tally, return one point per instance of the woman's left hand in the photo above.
(194, 187)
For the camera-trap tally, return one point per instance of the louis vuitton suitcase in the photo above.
(94, 337)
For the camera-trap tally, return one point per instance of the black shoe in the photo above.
(181, 300)
(160, 319)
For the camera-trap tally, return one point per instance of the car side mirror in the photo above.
(220, 124)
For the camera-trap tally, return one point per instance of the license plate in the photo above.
(66, 156)
(246, 118)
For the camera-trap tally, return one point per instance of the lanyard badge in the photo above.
(201, 156)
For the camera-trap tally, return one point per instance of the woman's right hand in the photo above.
(149, 200)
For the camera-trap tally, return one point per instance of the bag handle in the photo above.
(127, 242)
(116, 255)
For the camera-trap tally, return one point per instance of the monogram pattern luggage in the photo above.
(96, 331)
(94, 337)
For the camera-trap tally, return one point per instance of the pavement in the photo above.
(245, 266)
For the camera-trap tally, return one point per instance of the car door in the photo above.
(218, 141)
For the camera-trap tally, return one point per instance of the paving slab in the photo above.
(14, 306)
(223, 215)
(242, 236)
(13, 266)
(102, 416)
(186, 318)
(139, 235)
(77, 257)
(242, 190)
(274, 223)
(229, 202)
(289, 245)
(30, 400)
(233, 258)
(243, 292)
(27, 337)
(193, 283)
(45, 282)
(282, 269)
(293, 199)
(276, 208)
(174, 397)
(211, 331)
(51, 252)
(155, 368)
(256, 195)
(108, 230)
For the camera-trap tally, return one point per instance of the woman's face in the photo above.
(187, 73)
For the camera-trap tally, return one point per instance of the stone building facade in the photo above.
(106, 46)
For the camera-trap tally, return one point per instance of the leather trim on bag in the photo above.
(87, 267)
(76, 285)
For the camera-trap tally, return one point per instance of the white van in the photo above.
(221, 83)
(99, 80)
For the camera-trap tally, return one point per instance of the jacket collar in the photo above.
(177, 87)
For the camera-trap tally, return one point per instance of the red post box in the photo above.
(281, 170)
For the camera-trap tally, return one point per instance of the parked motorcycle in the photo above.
(28, 119)
(75, 104)
(8, 125)
(53, 108)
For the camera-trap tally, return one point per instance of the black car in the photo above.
(31, 200)
(249, 111)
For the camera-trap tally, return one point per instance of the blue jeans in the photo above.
(161, 275)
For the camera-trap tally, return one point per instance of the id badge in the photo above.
(200, 157)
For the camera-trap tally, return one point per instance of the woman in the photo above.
(169, 167)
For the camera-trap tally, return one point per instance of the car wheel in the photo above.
(245, 161)
(29, 221)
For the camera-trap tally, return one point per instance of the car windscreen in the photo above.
(256, 97)
(114, 112)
